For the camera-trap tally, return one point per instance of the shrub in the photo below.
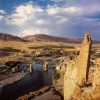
(4, 54)
(49, 47)
(56, 76)
(8, 49)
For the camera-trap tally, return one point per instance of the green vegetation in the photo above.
(56, 76)
(96, 56)
(4, 54)
(26, 55)
(8, 49)
(49, 47)
(12, 64)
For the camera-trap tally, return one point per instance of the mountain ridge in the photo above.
(41, 38)
(49, 38)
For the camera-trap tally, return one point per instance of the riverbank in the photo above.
(31, 84)
(16, 77)
(45, 93)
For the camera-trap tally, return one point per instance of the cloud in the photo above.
(34, 31)
(40, 21)
(70, 19)
(58, 10)
(2, 12)
(61, 19)
(1, 17)
(23, 13)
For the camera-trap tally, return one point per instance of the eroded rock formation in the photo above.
(70, 80)
(96, 80)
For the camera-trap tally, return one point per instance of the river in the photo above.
(30, 82)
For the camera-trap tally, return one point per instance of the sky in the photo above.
(65, 18)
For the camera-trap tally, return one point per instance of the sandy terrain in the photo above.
(10, 80)
(50, 95)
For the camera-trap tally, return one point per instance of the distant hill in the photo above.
(41, 38)
(48, 38)
(10, 37)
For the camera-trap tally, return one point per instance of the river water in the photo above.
(30, 82)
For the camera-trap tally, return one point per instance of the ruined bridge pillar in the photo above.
(31, 68)
(45, 65)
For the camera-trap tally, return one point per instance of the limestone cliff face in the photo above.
(96, 80)
(70, 79)
(92, 92)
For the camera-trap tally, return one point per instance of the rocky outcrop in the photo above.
(34, 93)
(96, 80)
(70, 79)
(90, 92)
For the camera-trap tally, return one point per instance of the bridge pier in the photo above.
(31, 68)
(45, 65)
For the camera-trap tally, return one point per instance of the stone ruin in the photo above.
(70, 79)
(77, 71)
(45, 65)
(83, 60)
(31, 68)
(96, 81)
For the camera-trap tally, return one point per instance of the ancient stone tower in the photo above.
(83, 60)
(77, 70)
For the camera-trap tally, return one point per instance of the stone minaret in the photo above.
(77, 71)
(83, 60)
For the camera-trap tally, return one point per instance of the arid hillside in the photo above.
(42, 38)
(9, 37)
(48, 38)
